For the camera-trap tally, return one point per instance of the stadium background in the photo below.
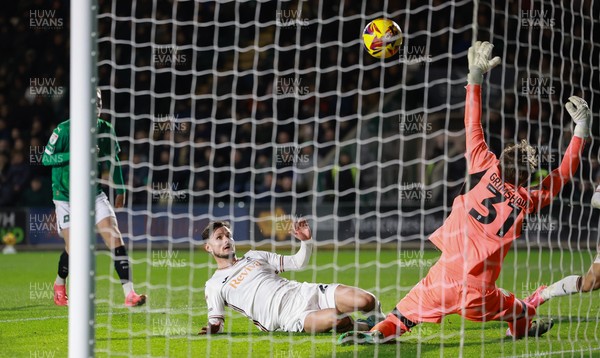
(208, 131)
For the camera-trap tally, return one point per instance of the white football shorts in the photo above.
(63, 211)
(309, 298)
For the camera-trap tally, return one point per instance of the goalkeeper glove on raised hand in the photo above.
(479, 61)
(581, 114)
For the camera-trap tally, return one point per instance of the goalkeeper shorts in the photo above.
(308, 298)
(63, 212)
(440, 294)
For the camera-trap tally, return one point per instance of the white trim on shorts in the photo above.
(63, 210)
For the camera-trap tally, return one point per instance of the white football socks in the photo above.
(127, 287)
(60, 281)
(566, 286)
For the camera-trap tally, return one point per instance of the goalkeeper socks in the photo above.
(63, 269)
(519, 327)
(122, 267)
(394, 325)
(566, 286)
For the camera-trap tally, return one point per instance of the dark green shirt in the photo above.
(57, 155)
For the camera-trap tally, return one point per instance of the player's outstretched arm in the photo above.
(478, 154)
(298, 261)
(553, 183)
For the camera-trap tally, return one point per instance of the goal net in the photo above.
(261, 112)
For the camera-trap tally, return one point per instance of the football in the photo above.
(382, 38)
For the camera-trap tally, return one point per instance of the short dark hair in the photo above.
(212, 226)
(518, 162)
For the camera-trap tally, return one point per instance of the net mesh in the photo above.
(262, 112)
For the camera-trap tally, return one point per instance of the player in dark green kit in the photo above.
(57, 156)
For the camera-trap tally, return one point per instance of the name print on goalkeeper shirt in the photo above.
(245, 271)
(511, 196)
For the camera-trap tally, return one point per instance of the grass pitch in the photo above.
(32, 326)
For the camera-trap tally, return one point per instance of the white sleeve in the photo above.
(299, 260)
(216, 307)
(286, 263)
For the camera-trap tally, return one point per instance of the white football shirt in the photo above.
(253, 287)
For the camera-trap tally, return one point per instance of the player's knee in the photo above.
(531, 310)
(365, 301)
(590, 283)
(342, 324)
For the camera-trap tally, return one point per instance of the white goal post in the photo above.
(82, 176)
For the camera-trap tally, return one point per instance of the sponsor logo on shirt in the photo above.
(53, 138)
(238, 280)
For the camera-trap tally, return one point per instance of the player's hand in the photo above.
(119, 201)
(479, 61)
(210, 329)
(301, 230)
(581, 114)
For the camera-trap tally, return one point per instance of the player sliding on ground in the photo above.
(251, 286)
(479, 231)
(57, 156)
(574, 283)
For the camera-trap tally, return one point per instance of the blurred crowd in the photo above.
(277, 118)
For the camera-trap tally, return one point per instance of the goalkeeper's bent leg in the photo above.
(394, 325)
(519, 326)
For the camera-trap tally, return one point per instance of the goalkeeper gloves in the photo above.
(581, 114)
(479, 61)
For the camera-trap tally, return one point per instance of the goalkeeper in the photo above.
(57, 156)
(251, 286)
(574, 283)
(485, 219)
